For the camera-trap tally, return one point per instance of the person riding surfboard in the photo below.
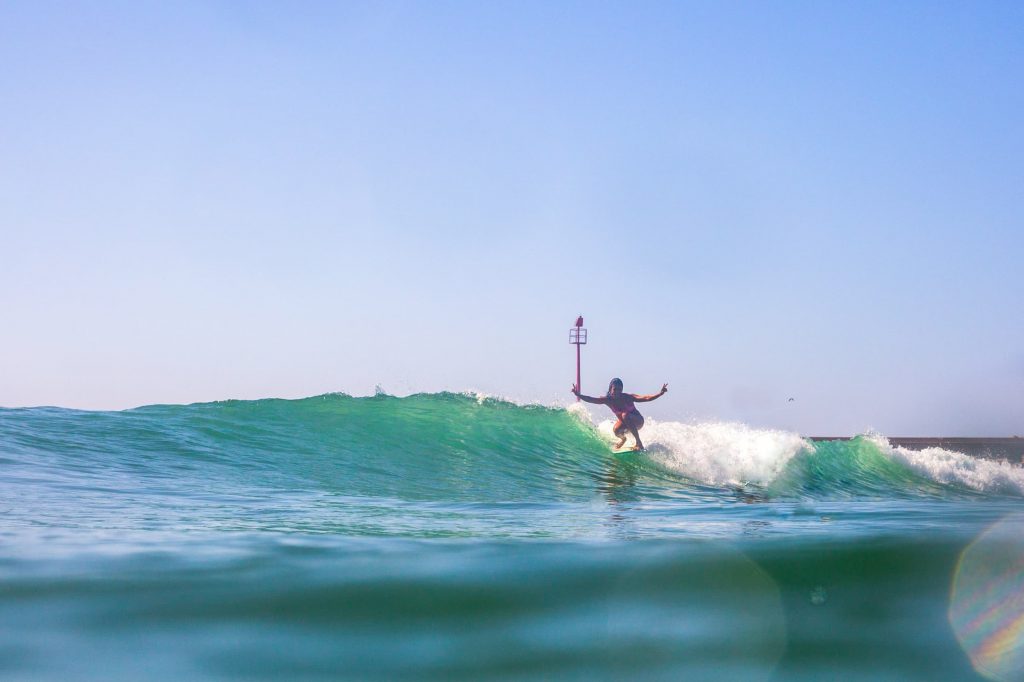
(629, 418)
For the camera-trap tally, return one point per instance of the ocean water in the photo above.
(458, 537)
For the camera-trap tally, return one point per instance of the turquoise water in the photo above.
(452, 536)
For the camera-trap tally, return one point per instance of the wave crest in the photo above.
(955, 468)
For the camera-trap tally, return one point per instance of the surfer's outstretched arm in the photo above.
(588, 399)
(653, 396)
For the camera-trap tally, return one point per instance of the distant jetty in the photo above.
(1009, 449)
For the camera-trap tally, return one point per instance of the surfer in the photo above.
(629, 418)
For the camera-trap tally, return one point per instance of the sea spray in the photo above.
(956, 469)
(719, 453)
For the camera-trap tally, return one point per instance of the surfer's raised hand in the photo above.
(649, 398)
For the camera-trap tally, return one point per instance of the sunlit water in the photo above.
(456, 537)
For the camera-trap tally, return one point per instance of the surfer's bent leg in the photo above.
(635, 423)
(619, 429)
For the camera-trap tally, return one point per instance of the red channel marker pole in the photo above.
(578, 371)
(578, 336)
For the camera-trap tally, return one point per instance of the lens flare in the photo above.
(987, 601)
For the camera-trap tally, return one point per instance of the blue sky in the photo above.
(751, 201)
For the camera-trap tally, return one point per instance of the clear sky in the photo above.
(751, 201)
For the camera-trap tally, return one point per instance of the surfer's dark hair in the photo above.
(614, 382)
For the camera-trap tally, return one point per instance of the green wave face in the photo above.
(445, 447)
(868, 466)
(458, 448)
(857, 467)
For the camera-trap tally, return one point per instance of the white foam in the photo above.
(956, 468)
(580, 412)
(719, 453)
